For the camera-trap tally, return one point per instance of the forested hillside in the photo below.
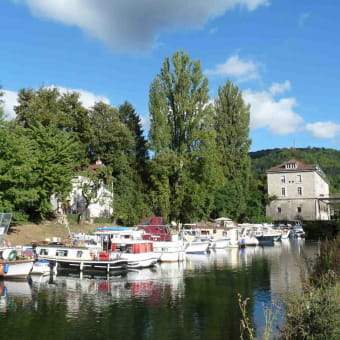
(327, 159)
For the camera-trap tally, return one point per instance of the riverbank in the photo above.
(19, 234)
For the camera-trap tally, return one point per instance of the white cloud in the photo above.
(323, 129)
(87, 98)
(278, 88)
(10, 99)
(276, 115)
(242, 70)
(134, 24)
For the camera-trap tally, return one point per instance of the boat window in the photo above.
(79, 253)
(61, 252)
(43, 252)
(215, 231)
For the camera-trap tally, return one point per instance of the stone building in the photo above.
(300, 190)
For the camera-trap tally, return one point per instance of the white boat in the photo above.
(219, 243)
(196, 247)
(247, 238)
(169, 251)
(41, 267)
(298, 231)
(285, 234)
(80, 258)
(137, 253)
(192, 241)
(13, 264)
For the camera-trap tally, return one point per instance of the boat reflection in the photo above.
(15, 293)
(285, 262)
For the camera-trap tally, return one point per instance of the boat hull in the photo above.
(15, 269)
(220, 243)
(265, 240)
(169, 251)
(102, 265)
(196, 247)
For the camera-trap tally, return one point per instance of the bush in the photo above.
(314, 315)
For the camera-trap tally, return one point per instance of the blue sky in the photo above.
(283, 55)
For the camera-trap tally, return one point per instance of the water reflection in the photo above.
(196, 299)
(14, 293)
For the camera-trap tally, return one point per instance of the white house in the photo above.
(101, 205)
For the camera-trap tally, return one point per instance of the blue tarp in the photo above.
(113, 228)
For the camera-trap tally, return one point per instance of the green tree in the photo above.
(47, 106)
(115, 137)
(182, 139)
(39, 107)
(56, 157)
(232, 126)
(131, 119)
(18, 190)
(111, 140)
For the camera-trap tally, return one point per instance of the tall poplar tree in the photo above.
(232, 127)
(182, 138)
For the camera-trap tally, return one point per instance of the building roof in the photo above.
(95, 167)
(299, 166)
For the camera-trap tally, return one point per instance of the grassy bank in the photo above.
(19, 234)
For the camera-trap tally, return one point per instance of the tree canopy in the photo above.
(193, 165)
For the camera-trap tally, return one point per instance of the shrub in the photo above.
(314, 315)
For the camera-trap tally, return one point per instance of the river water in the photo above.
(197, 299)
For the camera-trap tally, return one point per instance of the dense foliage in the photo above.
(182, 138)
(195, 165)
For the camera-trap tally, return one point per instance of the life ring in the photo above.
(12, 255)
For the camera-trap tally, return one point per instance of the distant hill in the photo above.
(327, 159)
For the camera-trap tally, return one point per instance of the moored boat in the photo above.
(169, 251)
(166, 243)
(298, 231)
(80, 258)
(14, 264)
(137, 253)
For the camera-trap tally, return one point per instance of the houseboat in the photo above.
(80, 258)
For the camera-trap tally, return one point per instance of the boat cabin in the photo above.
(132, 247)
(155, 229)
